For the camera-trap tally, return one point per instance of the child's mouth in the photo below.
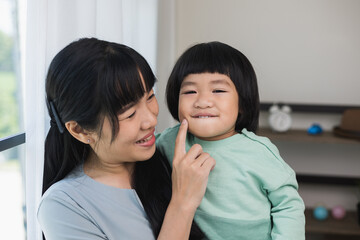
(203, 116)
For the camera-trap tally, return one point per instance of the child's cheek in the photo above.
(181, 116)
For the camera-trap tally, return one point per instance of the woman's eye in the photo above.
(218, 91)
(151, 96)
(133, 114)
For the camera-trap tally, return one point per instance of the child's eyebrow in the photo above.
(220, 81)
(213, 82)
(187, 83)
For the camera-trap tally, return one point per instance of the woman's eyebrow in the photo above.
(126, 107)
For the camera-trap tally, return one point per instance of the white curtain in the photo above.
(50, 26)
(165, 57)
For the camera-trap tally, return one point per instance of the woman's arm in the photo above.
(189, 179)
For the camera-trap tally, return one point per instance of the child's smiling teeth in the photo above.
(145, 140)
(204, 116)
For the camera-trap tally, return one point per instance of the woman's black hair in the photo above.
(89, 80)
(154, 189)
(217, 57)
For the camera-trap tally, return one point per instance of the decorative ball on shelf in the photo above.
(320, 213)
(315, 129)
(338, 212)
(280, 118)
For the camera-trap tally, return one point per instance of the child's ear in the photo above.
(78, 132)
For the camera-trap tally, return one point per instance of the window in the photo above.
(12, 201)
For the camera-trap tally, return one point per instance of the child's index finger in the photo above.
(180, 149)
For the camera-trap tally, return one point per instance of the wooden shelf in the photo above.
(302, 135)
(328, 179)
(347, 226)
(323, 158)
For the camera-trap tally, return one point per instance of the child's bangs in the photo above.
(207, 59)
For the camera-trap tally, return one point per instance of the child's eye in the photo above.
(218, 91)
(189, 92)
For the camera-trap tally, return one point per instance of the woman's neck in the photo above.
(112, 174)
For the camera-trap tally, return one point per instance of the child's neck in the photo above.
(217, 137)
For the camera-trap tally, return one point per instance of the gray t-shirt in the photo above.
(79, 207)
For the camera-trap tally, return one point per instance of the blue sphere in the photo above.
(315, 129)
(320, 213)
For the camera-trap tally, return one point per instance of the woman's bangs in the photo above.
(128, 89)
(127, 82)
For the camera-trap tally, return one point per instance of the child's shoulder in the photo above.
(265, 151)
(168, 134)
(261, 143)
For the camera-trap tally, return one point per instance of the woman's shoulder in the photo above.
(65, 190)
(60, 191)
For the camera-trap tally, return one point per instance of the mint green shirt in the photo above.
(251, 193)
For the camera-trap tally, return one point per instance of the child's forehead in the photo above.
(206, 78)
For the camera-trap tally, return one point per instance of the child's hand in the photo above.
(190, 171)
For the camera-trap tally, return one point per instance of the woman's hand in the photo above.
(190, 172)
(189, 179)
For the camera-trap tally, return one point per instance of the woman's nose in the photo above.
(150, 117)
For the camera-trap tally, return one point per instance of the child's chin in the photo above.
(202, 134)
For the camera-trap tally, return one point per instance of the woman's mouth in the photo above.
(147, 141)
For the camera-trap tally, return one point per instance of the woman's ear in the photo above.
(78, 132)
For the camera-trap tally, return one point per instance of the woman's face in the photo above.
(135, 140)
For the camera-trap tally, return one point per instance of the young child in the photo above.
(251, 193)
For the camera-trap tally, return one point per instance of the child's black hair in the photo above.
(217, 57)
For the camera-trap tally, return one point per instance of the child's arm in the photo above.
(287, 212)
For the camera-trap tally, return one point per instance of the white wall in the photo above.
(303, 51)
(166, 46)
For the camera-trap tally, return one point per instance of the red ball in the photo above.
(338, 212)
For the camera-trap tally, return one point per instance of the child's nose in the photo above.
(203, 101)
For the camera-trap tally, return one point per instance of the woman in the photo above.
(103, 178)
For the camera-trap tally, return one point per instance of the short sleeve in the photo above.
(62, 219)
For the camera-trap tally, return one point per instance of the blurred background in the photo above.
(306, 55)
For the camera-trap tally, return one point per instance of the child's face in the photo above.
(210, 104)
